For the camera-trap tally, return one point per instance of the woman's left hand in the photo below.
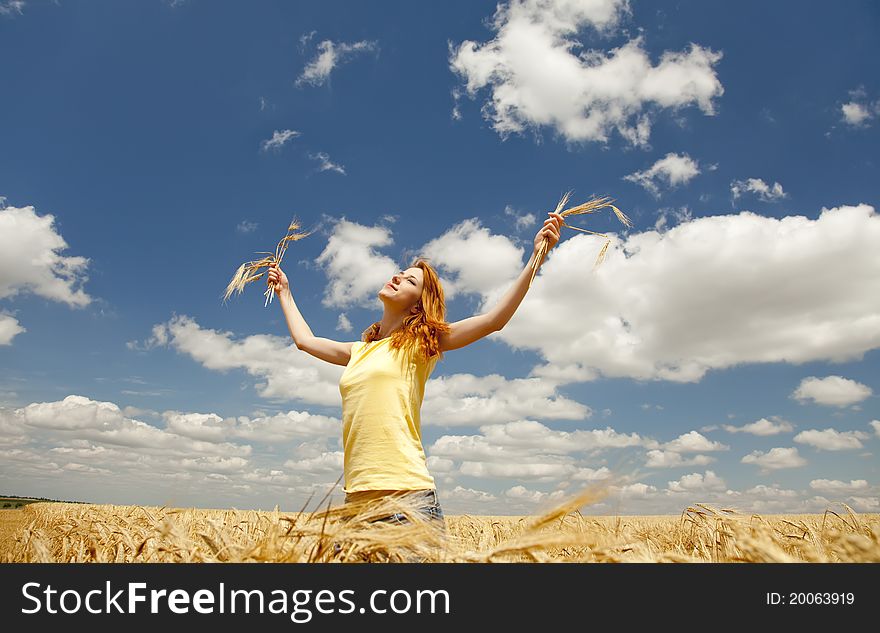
(550, 230)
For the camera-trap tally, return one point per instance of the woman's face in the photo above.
(403, 289)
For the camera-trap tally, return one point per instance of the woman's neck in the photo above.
(388, 324)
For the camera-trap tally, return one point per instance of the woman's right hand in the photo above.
(277, 277)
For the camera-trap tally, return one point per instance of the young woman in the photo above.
(385, 374)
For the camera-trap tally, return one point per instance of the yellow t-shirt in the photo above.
(382, 391)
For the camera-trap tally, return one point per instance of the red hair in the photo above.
(422, 329)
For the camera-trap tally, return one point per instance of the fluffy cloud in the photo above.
(756, 186)
(288, 373)
(536, 471)
(875, 424)
(81, 447)
(355, 270)
(859, 111)
(31, 261)
(670, 171)
(460, 493)
(672, 459)
(770, 492)
(480, 262)
(529, 441)
(775, 459)
(832, 390)
(440, 464)
(9, 328)
(281, 427)
(761, 427)
(465, 399)
(522, 493)
(693, 442)
(78, 417)
(343, 324)
(697, 482)
(866, 504)
(536, 77)
(330, 55)
(832, 440)
(331, 462)
(841, 487)
(655, 308)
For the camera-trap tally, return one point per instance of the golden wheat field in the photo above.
(67, 532)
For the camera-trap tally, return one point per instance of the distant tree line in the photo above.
(16, 501)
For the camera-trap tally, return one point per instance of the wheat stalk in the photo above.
(248, 271)
(593, 205)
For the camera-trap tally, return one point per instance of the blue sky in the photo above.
(137, 172)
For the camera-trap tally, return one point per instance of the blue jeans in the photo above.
(427, 505)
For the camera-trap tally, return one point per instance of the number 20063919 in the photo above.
(808, 597)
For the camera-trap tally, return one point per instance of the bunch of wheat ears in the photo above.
(248, 271)
(590, 206)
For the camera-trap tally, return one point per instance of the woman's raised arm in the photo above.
(336, 352)
(472, 329)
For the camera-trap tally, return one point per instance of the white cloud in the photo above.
(78, 417)
(698, 482)
(280, 427)
(839, 487)
(538, 471)
(671, 459)
(521, 220)
(832, 440)
(817, 297)
(762, 427)
(775, 459)
(440, 464)
(856, 113)
(480, 262)
(635, 491)
(324, 463)
(355, 270)
(866, 504)
(533, 496)
(670, 171)
(693, 442)
(469, 494)
(765, 192)
(343, 324)
(30, 259)
(591, 474)
(9, 328)
(465, 399)
(528, 441)
(537, 78)
(214, 464)
(875, 424)
(279, 138)
(859, 112)
(326, 163)
(832, 390)
(330, 55)
(288, 373)
(770, 492)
